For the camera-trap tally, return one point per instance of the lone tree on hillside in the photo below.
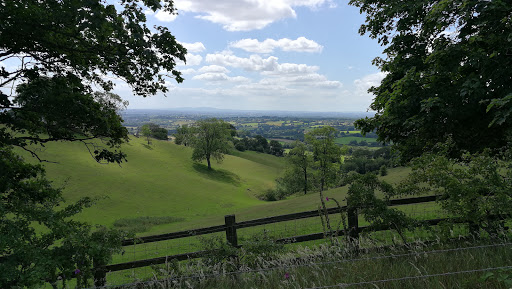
(211, 140)
(447, 74)
(145, 131)
(55, 54)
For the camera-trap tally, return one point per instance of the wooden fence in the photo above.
(230, 227)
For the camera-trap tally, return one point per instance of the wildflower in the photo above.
(286, 275)
(77, 271)
(327, 199)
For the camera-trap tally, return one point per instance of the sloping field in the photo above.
(162, 181)
(157, 180)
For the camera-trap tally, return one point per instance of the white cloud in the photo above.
(188, 71)
(194, 47)
(192, 60)
(217, 76)
(213, 68)
(301, 44)
(291, 68)
(363, 84)
(314, 80)
(244, 15)
(165, 16)
(253, 63)
(289, 74)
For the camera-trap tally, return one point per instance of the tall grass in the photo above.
(466, 263)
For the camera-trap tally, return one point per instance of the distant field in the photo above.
(276, 123)
(348, 139)
(283, 140)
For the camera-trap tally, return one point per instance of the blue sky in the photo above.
(295, 55)
(299, 55)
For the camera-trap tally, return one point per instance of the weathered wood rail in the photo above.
(230, 226)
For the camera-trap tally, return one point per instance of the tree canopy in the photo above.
(55, 85)
(447, 73)
(60, 51)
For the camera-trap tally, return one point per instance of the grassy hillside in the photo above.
(162, 181)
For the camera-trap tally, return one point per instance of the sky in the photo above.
(295, 55)
(286, 55)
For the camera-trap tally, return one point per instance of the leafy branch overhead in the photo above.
(62, 50)
(447, 71)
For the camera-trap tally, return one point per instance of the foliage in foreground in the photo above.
(56, 55)
(476, 188)
(57, 247)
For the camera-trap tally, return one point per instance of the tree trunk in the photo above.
(209, 164)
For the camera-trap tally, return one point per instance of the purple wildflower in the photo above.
(327, 199)
(77, 271)
(286, 275)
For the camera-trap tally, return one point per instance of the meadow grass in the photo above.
(159, 180)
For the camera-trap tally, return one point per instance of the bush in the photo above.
(272, 195)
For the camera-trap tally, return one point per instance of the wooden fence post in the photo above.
(353, 222)
(231, 230)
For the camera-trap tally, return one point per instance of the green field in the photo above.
(162, 190)
(348, 139)
(162, 181)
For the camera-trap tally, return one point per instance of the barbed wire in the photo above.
(287, 267)
(344, 285)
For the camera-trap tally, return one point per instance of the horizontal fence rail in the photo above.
(230, 227)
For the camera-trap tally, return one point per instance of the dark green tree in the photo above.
(276, 148)
(158, 132)
(447, 73)
(211, 140)
(59, 51)
(183, 135)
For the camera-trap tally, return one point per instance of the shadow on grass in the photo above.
(149, 147)
(217, 174)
